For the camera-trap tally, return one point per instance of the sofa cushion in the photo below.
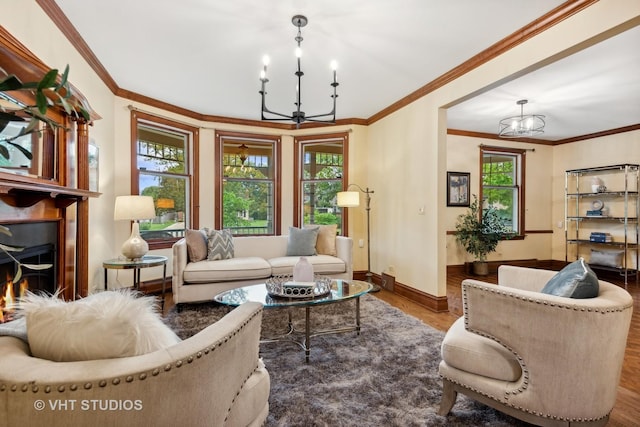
(302, 241)
(322, 264)
(226, 270)
(576, 280)
(196, 245)
(103, 325)
(219, 244)
(326, 243)
(479, 355)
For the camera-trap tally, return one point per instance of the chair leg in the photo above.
(449, 396)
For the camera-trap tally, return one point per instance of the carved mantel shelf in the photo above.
(22, 194)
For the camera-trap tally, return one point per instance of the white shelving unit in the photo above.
(603, 200)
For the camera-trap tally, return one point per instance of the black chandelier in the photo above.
(298, 116)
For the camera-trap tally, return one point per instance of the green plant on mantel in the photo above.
(7, 249)
(479, 231)
(48, 92)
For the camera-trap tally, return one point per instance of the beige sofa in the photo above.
(256, 258)
(545, 359)
(213, 378)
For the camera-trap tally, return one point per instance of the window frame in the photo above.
(520, 176)
(191, 157)
(222, 137)
(298, 202)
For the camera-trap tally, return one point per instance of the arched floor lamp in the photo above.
(351, 199)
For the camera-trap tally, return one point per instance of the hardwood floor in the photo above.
(626, 412)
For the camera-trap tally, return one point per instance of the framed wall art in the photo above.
(458, 189)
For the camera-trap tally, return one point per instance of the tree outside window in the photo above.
(163, 171)
(321, 166)
(247, 192)
(503, 186)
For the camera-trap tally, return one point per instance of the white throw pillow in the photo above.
(103, 325)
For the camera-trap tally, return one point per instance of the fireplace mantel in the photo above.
(58, 188)
(25, 194)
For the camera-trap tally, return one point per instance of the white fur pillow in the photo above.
(103, 325)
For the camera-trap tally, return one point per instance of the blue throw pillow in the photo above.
(302, 241)
(576, 280)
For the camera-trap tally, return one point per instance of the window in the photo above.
(320, 174)
(163, 153)
(247, 187)
(503, 184)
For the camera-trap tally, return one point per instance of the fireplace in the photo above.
(39, 243)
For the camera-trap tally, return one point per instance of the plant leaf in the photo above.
(5, 230)
(41, 101)
(48, 80)
(8, 248)
(37, 266)
(63, 79)
(4, 152)
(23, 150)
(18, 275)
(10, 83)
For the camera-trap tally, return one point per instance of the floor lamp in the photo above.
(351, 199)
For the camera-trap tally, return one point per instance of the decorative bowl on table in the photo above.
(284, 286)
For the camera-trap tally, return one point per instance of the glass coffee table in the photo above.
(340, 290)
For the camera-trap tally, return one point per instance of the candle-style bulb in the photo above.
(298, 52)
(265, 60)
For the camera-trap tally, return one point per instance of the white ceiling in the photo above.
(205, 56)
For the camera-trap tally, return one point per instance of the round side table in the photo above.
(136, 265)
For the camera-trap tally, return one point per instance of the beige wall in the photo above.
(403, 157)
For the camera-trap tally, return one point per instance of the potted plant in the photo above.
(49, 91)
(479, 231)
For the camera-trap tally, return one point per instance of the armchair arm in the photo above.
(180, 260)
(344, 250)
(570, 350)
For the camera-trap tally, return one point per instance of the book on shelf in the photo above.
(600, 237)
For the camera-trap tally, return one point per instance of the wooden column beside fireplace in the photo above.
(56, 187)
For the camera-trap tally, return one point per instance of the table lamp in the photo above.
(134, 208)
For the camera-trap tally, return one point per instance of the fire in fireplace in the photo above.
(32, 267)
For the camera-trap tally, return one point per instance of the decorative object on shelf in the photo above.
(522, 125)
(597, 209)
(286, 287)
(351, 199)
(134, 208)
(298, 116)
(600, 237)
(597, 185)
(48, 92)
(458, 188)
(303, 270)
(479, 231)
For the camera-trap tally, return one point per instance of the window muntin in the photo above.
(322, 166)
(248, 185)
(502, 185)
(162, 165)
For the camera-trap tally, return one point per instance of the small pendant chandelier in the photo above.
(298, 116)
(522, 125)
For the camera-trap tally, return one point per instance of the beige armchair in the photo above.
(214, 378)
(544, 359)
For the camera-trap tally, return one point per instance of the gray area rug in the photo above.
(386, 376)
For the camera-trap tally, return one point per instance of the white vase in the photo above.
(303, 271)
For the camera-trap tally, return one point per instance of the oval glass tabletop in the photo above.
(340, 290)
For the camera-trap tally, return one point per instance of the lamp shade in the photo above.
(134, 208)
(348, 199)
